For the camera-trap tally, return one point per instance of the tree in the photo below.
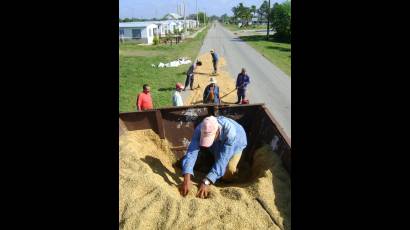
(247, 15)
(263, 11)
(253, 10)
(235, 12)
(201, 16)
(192, 17)
(224, 18)
(213, 18)
(281, 23)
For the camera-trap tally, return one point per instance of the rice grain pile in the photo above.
(149, 196)
(202, 77)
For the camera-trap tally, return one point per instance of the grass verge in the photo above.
(233, 27)
(135, 70)
(277, 52)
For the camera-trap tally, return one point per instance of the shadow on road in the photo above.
(236, 40)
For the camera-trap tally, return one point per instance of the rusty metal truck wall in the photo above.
(177, 125)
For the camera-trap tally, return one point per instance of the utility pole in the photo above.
(184, 18)
(196, 4)
(267, 30)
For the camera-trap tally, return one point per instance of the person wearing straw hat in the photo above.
(225, 139)
(176, 96)
(211, 93)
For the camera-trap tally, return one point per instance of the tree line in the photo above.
(279, 17)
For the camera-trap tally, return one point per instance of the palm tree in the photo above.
(253, 10)
(235, 11)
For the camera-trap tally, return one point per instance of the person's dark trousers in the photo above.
(189, 81)
(215, 66)
(241, 95)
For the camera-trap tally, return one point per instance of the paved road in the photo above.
(269, 84)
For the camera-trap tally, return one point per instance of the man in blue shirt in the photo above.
(241, 83)
(211, 93)
(214, 60)
(226, 139)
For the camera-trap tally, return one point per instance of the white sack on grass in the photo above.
(180, 61)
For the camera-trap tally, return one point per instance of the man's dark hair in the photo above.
(144, 87)
(199, 63)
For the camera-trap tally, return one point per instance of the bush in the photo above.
(156, 40)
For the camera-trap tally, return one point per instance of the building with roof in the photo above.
(140, 31)
(172, 16)
(145, 31)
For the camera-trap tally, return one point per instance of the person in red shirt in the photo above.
(144, 100)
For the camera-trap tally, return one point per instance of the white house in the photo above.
(172, 16)
(165, 26)
(143, 31)
(192, 24)
(179, 25)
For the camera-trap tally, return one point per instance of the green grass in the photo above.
(135, 70)
(233, 27)
(277, 52)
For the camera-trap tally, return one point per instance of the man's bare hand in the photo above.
(186, 185)
(203, 191)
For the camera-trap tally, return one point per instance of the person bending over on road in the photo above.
(226, 139)
(144, 100)
(241, 83)
(190, 74)
(214, 60)
(211, 93)
(176, 97)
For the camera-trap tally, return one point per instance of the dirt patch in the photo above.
(202, 77)
(149, 196)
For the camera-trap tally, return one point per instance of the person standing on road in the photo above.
(226, 139)
(211, 93)
(176, 97)
(241, 83)
(215, 59)
(190, 75)
(144, 100)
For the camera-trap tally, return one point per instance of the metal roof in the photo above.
(136, 24)
(147, 23)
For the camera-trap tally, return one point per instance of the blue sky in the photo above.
(158, 8)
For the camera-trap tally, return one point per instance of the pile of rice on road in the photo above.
(203, 73)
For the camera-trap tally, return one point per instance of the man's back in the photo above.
(214, 57)
(177, 99)
(191, 69)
